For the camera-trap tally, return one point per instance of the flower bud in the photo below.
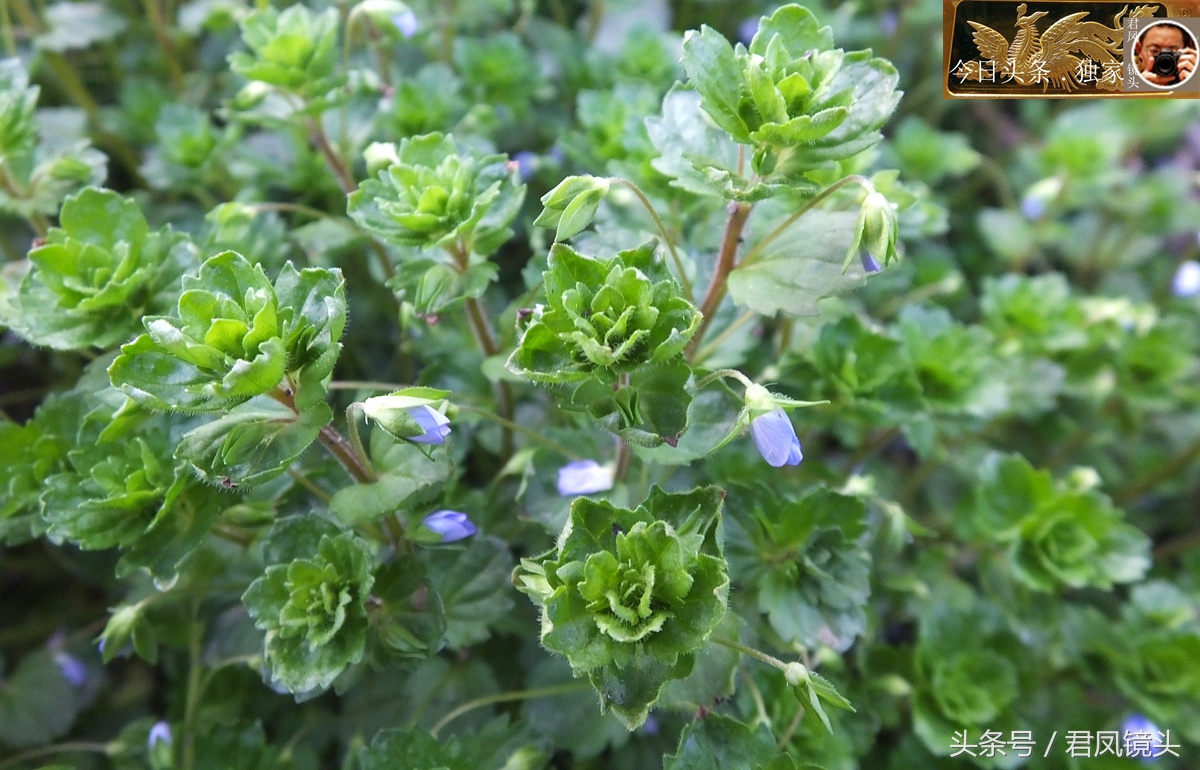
(796, 674)
(584, 477)
(159, 745)
(875, 234)
(408, 414)
(380, 155)
(444, 527)
(571, 205)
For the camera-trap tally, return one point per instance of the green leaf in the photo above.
(699, 157)
(74, 25)
(251, 444)
(799, 268)
(37, 703)
(717, 742)
(474, 587)
(713, 69)
(407, 478)
(406, 611)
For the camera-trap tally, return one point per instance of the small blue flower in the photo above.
(1187, 279)
(748, 29)
(526, 164)
(869, 263)
(584, 477)
(160, 732)
(434, 423)
(406, 22)
(1033, 207)
(72, 668)
(889, 22)
(776, 438)
(1141, 738)
(451, 525)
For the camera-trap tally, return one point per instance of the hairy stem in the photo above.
(485, 338)
(332, 440)
(320, 140)
(726, 261)
(756, 654)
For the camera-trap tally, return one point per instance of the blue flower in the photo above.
(748, 29)
(434, 423)
(1187, 279)
(1141, 738)
(776, 438)
(1033, 207)
(451, 525)
(868, 262)
(72, 668)
(584, 477)
(406, 22)
(526, 164)
(160, 732)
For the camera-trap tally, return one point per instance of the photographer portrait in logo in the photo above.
(1166, 54)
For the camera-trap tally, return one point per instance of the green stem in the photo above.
(662, 229)
(311, 486)
(507, 697)
(320, 140)
(778, 231)
(58, 748)
(731, 373)
(759, 706)
(10, 37)
(154, 13)
(1167, 470)
(711, 347)
(510, 425)
(756, 654)
(194, 687)
(352, 428)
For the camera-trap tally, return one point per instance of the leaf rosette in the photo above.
(801, 103)
(97, 274)
(294, 49)
(629, 596)
(610, 340)
(1058, 536)
(237, 336)
(429, 192)
(314, 612)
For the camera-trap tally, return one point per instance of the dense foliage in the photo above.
(491, 385)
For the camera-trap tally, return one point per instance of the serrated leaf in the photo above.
(474, 586)
(251, 444)
(799, 268)
(718, 742)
